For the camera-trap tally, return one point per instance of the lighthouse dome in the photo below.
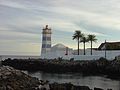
(59, 46)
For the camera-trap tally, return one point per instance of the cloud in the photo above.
(21, 21)
(12, 4)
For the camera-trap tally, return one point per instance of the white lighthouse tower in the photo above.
(46, 41)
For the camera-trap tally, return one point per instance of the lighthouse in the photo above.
(46, 40)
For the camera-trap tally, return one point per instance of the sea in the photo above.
(78, 79)
(74, 78)
(3, 57)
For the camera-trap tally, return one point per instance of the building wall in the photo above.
(57, 53)
(110, 55)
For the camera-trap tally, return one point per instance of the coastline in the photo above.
(110, 69)
(12, 79)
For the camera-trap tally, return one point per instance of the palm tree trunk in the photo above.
(84, 48)
(78, 46)
(91, 47)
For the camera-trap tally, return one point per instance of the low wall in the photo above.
(86, 57)
(76, 57)
(110, 55)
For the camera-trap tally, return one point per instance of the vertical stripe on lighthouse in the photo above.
(46, 40)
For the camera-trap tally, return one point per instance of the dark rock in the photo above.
(67, 86)
(12, 79)
(81, 88)
(97, 88)
(109, 89)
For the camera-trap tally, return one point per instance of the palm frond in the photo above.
(92, 37)
(77, 35)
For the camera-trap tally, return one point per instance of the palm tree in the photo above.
(84, 40)
(92, 38)
(77, 35)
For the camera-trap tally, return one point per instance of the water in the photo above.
(78, 79)
(3, 57)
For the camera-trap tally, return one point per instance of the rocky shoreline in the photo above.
(12, 79)
(94, 67)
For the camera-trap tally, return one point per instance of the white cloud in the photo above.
(26, 18)
(12, 4)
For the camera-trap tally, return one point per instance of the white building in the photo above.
(58, 50)
(108, 50)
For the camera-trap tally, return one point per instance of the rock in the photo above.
(81, 88)
(44, 85)
(97, 88)
(67, 86)
(12, 79)
(0, 63)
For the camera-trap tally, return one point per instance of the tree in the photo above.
(84, 40)
(92, 38)
(77, 35)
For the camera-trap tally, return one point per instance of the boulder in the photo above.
(12, 79)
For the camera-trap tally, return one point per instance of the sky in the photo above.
(22, 21)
